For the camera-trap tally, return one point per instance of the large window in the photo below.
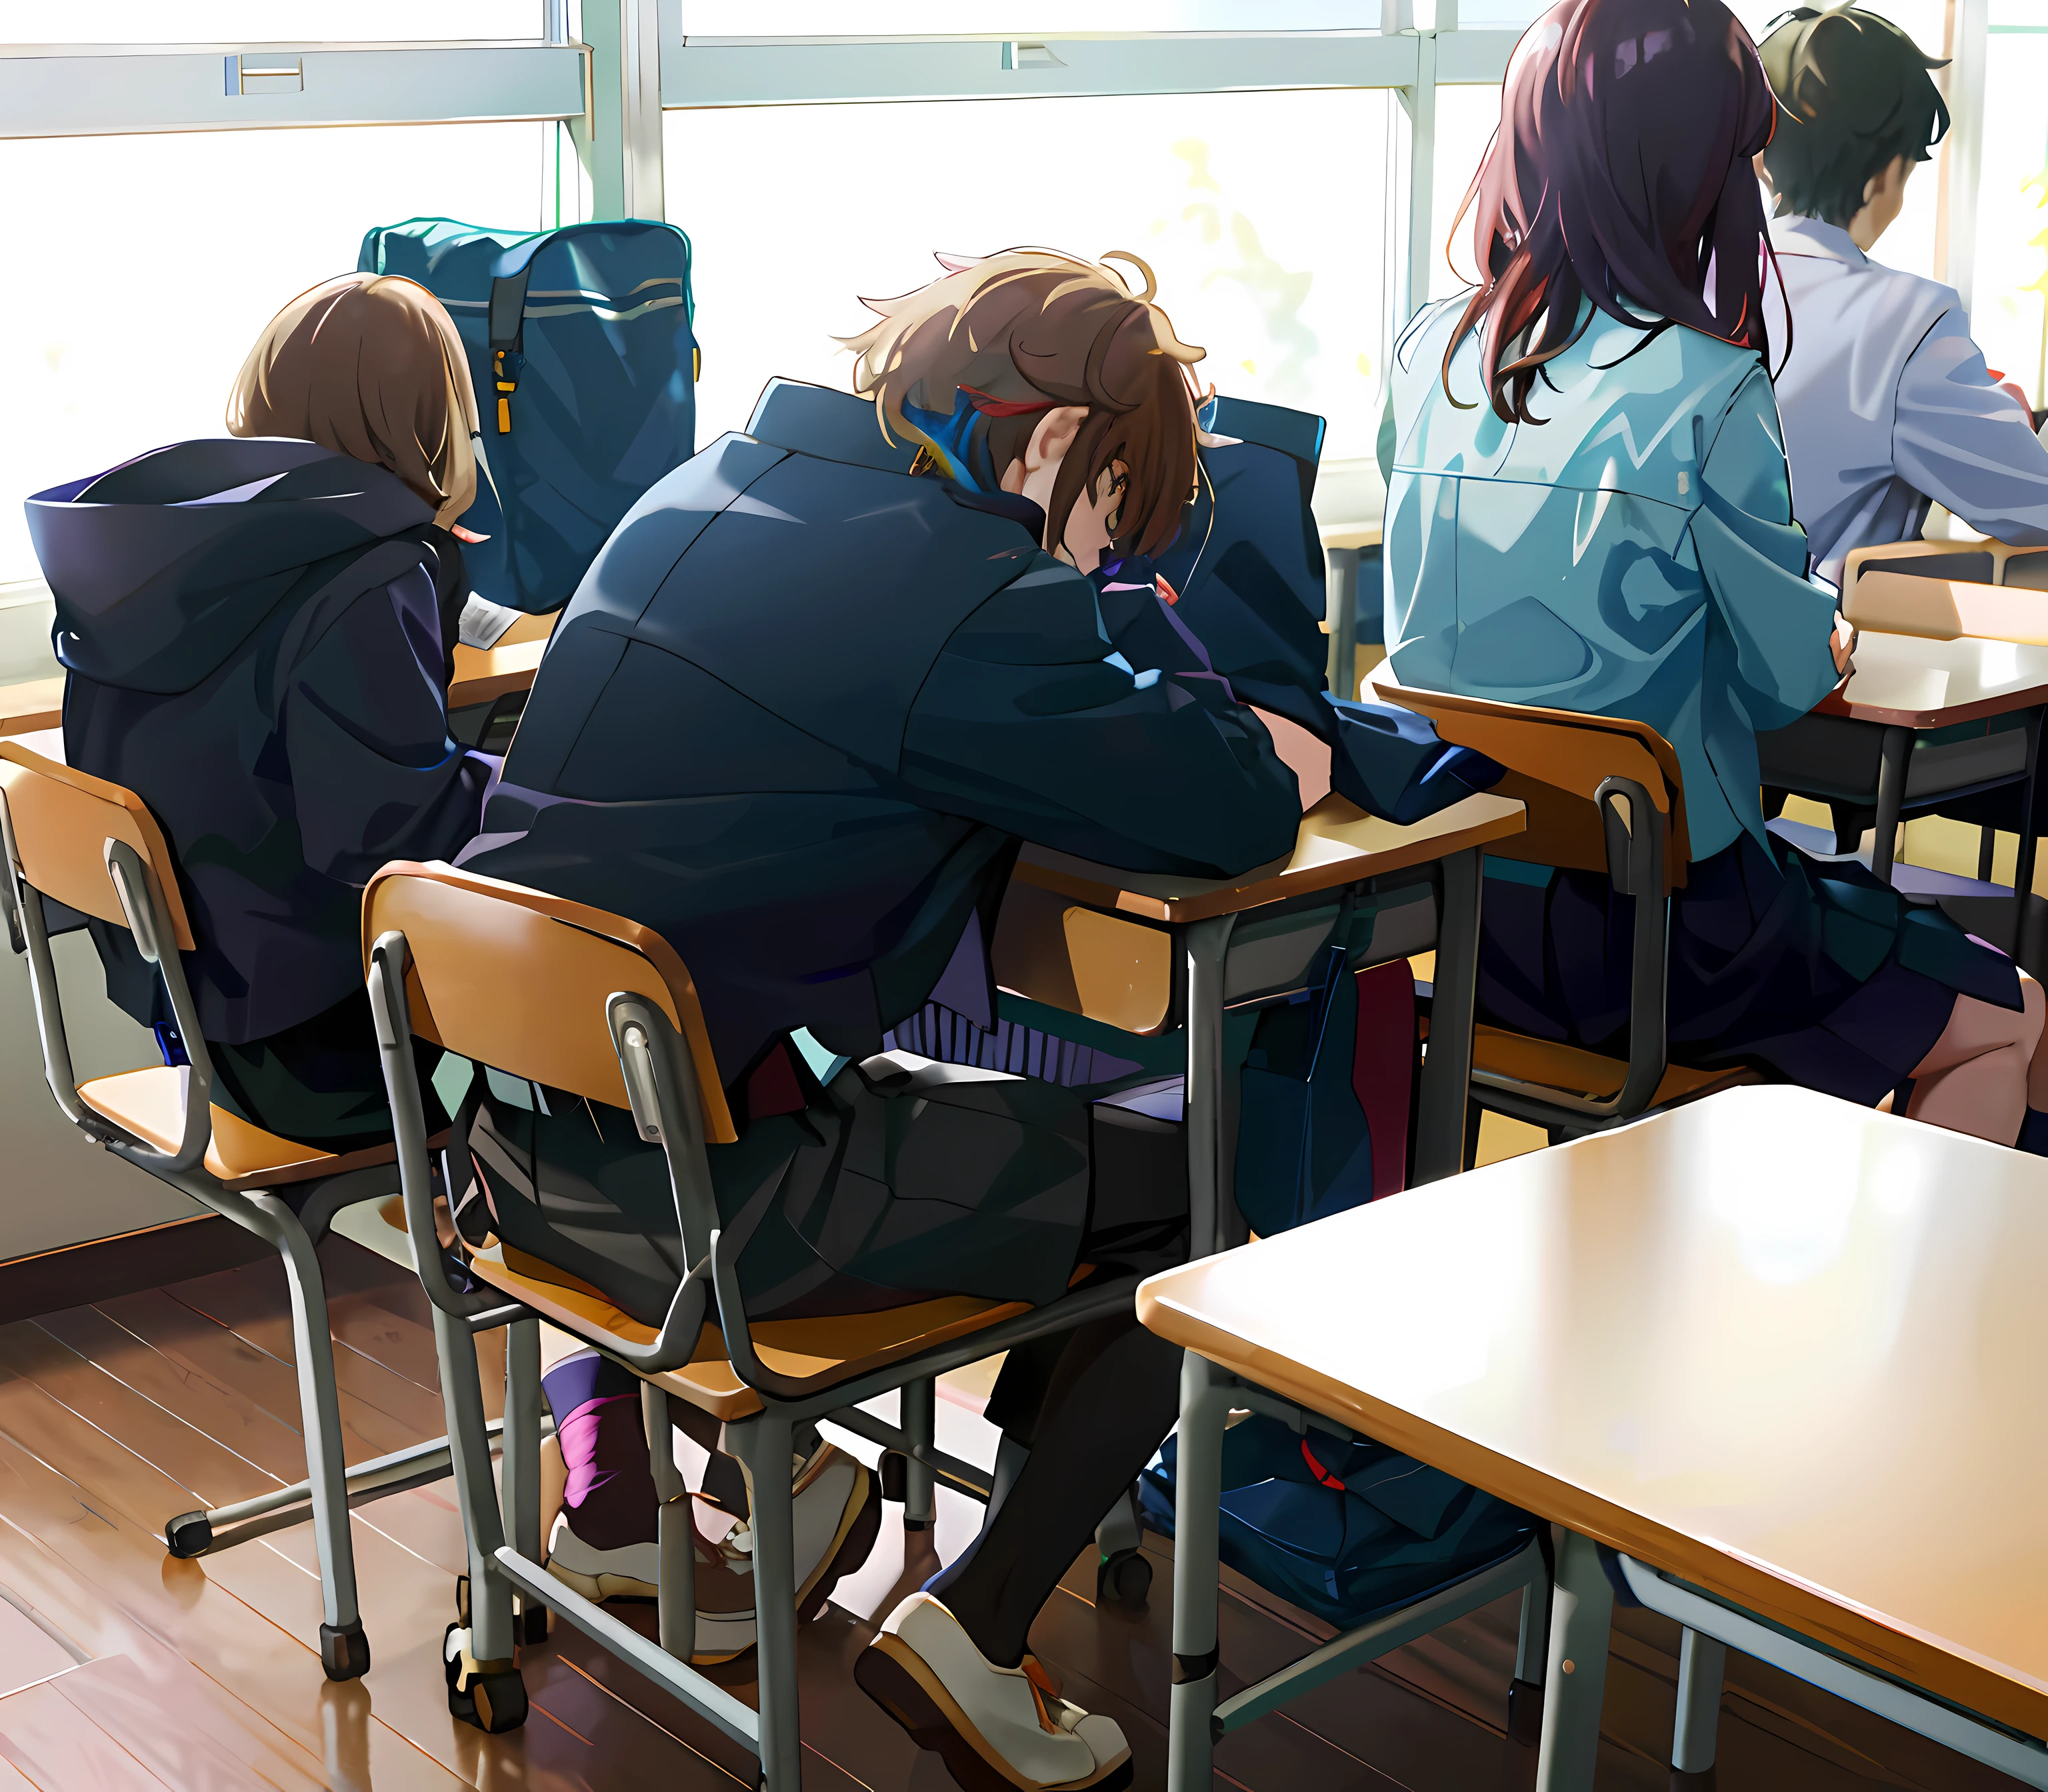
(145, 267)
(1262, 214)
(2012, 200)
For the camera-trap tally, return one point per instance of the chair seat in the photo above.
(150, 1104)
(842, 1347)
(1570, 1071)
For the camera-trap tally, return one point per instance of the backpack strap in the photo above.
(508, 325)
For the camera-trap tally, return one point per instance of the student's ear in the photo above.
(1054, 436)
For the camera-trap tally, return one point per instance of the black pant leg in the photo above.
(1113, 1395)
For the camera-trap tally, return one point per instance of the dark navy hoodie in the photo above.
(257, 635)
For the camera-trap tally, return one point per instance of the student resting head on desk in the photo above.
(798, 720)
(1886, 403)
(257, 633)
(1588, 509)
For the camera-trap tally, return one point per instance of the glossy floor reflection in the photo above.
(120, 1668)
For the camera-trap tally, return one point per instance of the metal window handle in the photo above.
(636, 1058)
(275, 77)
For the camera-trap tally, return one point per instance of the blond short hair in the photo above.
(370, 366)
(1033, 326)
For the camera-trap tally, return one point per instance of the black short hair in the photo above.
(1853, 94)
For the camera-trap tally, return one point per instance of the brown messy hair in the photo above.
(369, 365)
(1031, 327)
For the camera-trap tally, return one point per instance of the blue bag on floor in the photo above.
(1343, 1530)
(585, 367)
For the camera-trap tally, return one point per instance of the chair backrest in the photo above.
(1556, 761)
(61, 820)
(520, 980)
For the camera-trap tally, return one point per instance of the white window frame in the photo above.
(606, 69)
(48, 90)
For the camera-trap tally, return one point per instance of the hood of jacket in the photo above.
(164, 566)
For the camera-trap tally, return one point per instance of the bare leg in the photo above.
(1979, 1078)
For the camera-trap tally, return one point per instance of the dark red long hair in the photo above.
(1620, 172)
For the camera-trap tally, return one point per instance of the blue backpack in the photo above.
(1347, 1531)
(585, 368)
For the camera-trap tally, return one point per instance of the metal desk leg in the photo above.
(1893, 753)
(1341, 612)
(1440, 1124)
(1702, 1664)
(1582, 1612)
(1204, 943)
(1197, 1498)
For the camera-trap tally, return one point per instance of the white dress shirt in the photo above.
(1887, 406)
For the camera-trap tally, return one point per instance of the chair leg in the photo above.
(344, 1650)
(1123, 1576)
(1197, 1498)
(1532, 1644)
(762, 1445)
(483, 1682)
(1702, 1663)
(675, 1600)
(920, 1418)
(520, 1479)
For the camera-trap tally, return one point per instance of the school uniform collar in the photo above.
(1815, 237)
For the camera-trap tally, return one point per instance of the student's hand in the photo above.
(1305, 755)
(1844, 645)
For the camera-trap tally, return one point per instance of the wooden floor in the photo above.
(121, 1668)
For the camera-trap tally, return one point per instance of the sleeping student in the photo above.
(816, 797)
(257, 632)
(1887, 404)
(1588, 509)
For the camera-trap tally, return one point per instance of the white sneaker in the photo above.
(995, 1727)
(835, 1516)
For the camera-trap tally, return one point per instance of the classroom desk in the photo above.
(1344, 544)
(1791, 1351)
(1338, 846)
(1903, 686)
(31, 706)
(484, 674)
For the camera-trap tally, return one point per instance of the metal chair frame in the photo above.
(1636, 845)
(1197, 1719)
(1712, 1627)
(292, 1227)
(661, 1081)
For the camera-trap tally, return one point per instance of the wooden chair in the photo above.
(94, 847)
(560, 994)
(1603, 794)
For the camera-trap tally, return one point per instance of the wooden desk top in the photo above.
(1792, 1350)
(1917, 683)
(36, 704)
(1339, 843)
(481, 674)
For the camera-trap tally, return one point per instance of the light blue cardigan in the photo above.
(1634, 556)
